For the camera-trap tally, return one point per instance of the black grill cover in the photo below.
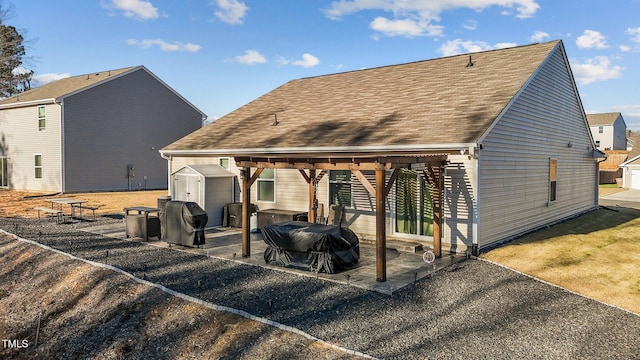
(314, 247)
(183, 223)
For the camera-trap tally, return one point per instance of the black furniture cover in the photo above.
(314, 247)
(183, 223)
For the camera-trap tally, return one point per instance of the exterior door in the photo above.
(635, 179)
(414, 204)
(186, 188)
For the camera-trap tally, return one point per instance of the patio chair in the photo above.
(336, 215)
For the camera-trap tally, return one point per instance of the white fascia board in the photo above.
(322, 150)
(28, 103)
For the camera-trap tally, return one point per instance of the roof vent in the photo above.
(470, 63)
(275, 120)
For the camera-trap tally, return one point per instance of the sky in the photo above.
(222, 54)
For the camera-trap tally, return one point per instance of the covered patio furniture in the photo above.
(183, 223)
(315, 247)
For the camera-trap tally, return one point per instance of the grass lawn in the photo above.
(597, 255)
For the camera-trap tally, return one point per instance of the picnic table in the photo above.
(73, 204)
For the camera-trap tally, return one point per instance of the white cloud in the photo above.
(459, 46)
(596, 69)
(43, 79)
(635, 34)
(539, 36)
(405, 27)
(307, 61)
(625, 48)
(251, 57)
(411, 16)
(163, 45)
(231, 11)
(470, 25)
(137, 9)
(591, 39)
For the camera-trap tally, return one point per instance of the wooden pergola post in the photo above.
(381, 230)
(437, 183)
(312, 196)
(247, 181)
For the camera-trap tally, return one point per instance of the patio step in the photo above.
(398, 245)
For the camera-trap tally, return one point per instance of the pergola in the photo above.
(313, 168)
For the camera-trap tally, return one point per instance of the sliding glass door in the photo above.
(414, 204)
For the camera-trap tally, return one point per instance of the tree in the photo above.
(14, 78)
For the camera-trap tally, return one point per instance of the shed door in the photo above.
(187, 188)
(635, 179)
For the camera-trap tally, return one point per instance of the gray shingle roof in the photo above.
(66, 86)
(430, 103)
(602, 118)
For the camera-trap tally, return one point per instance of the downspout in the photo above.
(475, 156)
(169, 164)
(597, 192)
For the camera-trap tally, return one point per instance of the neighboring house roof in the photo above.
(634, 141)
(60, 88)
(602, 118)
(56, 91)
(632, 161)
(429, 104)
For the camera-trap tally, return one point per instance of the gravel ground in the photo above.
(473, 309)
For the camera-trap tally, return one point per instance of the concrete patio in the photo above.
(403, 268)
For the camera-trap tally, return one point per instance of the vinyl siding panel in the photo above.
(20, 139)
(459, 202)
(123, 121)
(546, 121)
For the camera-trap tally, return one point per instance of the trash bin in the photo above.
(232, 214)
(183, 223)
(162, 201)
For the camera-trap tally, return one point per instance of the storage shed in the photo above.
(209, 185)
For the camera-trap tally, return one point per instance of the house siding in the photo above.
(123, 121)
(514, 163)
(20, 140)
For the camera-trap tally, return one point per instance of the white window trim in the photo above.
(275, 195)
(351, 183)
(228, 161)
(41, 167)
(42, 128)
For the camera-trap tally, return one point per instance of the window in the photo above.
(4, 172)
(42, 122)
(553, 164)
(340, 188)
(267, 185)
(600, 129)
(224, 162)
(38, 166)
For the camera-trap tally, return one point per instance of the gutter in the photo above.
(18, 104)
(461, 147)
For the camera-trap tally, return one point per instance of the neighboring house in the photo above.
(94, 132)
(631, 173)
(468, 147)
(609, 131)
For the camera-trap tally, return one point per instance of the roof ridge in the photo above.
(431, 59)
